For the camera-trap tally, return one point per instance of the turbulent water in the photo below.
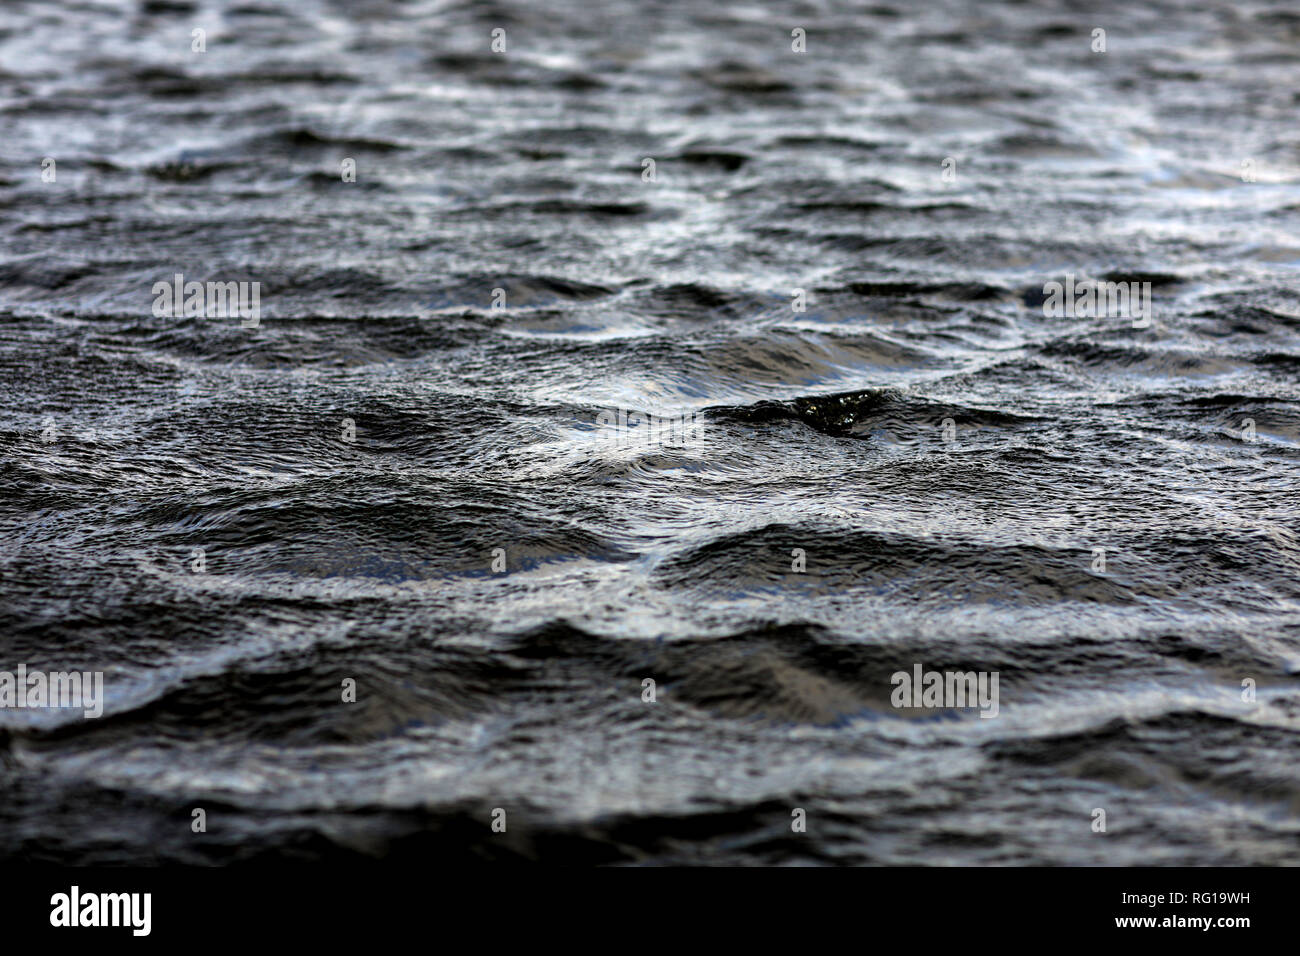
(401, 477)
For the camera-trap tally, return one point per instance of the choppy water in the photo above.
(823, 430)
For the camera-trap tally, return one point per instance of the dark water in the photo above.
(476, 429)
